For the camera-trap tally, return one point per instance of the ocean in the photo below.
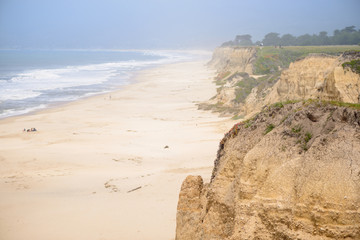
(35, 79)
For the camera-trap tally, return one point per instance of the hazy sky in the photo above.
(164, 23)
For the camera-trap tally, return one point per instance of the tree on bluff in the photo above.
(240, 40)
(305, 40)
(243, 40)
(271, 39)
(346, 36)
(323, 38)
(288, 40)
(349, 29)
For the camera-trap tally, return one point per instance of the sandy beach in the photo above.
(110, 166)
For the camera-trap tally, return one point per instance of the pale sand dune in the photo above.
(98, 168)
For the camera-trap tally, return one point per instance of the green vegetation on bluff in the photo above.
(244, 87)
(346, 36)
(267, 67)
(315, 101)
(270, 62)
(270, 59)
(354, 65)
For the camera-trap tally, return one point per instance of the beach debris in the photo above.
(110, 186)
(134, 189)
(166, 147)
(30, 130)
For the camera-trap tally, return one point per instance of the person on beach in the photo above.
(30, 130)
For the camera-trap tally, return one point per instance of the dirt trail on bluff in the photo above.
(291, 172)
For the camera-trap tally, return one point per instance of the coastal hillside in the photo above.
(229, 60)
(319, 76)
(290, 172)
(249, 78)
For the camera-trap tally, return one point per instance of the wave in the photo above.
(17, 111)
(33, 83)
(69, 83)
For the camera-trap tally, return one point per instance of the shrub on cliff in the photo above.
(354, 65)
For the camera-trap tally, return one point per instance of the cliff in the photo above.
(291, 172)
(318, 77)
(232, 59)
(315, 76)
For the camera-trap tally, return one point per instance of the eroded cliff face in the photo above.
(230, 59)
(318, 76)
(292, 172)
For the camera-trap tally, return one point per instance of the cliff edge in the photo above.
(291, 172)
(249, 78)
(319, 76)
(233, 59)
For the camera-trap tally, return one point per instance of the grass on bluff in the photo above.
(243, 88)
(316, 101)
(271, 59)
(344, 104)
(269, 128)
(354, 65)
(269, 63)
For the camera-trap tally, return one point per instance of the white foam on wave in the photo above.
(16, 112)
(30, 84)
(14, 93)
(34, 83)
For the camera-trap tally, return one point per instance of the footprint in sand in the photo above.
(18, 181)
(128, 185)
(111, 187)
(135, 160)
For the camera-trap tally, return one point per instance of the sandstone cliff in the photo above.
(291, 172)
(232, 59)
(317, 76)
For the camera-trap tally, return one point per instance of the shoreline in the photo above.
(105, 77)
(109, 168)
(54, 105)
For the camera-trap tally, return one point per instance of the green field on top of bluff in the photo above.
(270, 59)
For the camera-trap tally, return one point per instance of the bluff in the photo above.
(291, 172)
(233, 59)
(319, 76)
(250, 78)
